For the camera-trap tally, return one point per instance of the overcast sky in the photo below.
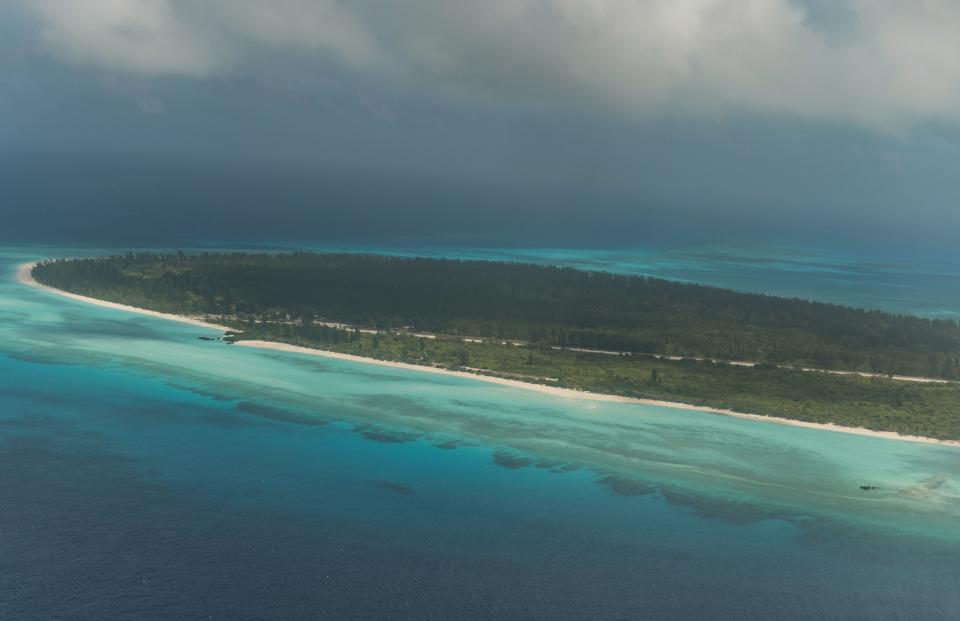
(475, 115)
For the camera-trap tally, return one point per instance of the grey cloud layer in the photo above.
(887, 62)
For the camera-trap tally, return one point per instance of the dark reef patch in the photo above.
(250, 407)
(385, 436)
(548, 464)
(511, 461)
(216, 396)
(397, 488)
(626, 487)
(448, 445)
(74, 324)
(35, 358)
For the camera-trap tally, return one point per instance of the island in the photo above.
(632, 337)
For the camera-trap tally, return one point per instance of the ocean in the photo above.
(148, 474)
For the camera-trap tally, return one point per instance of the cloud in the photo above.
(877, 63)
(886, 62)
(194, 38)
(128, 36)
(308, 25)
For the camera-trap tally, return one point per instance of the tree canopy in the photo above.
(539, 304)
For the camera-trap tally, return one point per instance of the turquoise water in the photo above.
(147, 474)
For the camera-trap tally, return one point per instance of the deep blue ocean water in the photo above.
(145, 474)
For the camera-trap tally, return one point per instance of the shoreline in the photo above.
(571, 393)
(25, 277)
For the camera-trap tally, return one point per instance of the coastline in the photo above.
(571, 393)
(25, 277)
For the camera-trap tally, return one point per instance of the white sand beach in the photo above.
(24, 276)
(579, 394)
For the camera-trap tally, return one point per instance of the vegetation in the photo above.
(297, 298)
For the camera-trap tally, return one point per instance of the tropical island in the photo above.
(630, 336)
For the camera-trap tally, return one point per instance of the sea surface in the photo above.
(148, 474)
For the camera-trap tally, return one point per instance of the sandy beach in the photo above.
(579, 394)
(25, 277)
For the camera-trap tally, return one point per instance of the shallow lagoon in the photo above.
(148, 474)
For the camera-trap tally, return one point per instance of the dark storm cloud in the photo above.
(319, 117)
(864, 61)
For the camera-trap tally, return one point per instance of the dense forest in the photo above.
(540, 305)
(519, 321)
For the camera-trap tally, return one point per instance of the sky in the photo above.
(545, 121)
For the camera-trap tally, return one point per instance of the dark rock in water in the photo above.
(206, 338)
(868, 487)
